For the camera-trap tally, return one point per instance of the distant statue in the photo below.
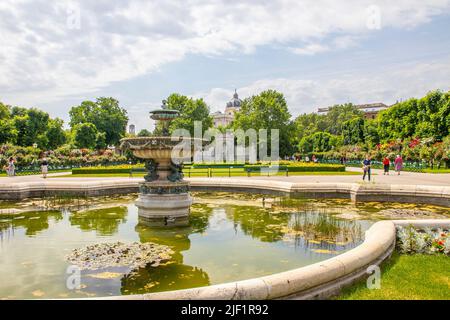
(164, 105)
(177, 172)
(151, 175)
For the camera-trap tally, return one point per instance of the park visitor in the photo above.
(44, 167)
(386, 163)
(398, 163)
(366, 168)
(11, 167)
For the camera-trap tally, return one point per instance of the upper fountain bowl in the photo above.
(164, 114)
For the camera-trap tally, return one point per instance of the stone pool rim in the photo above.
(436, 195)
(320, 280)
(316, 281)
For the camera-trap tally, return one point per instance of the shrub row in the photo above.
(301, 167)
(291, 167)
(112, 169)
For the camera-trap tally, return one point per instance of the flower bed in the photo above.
(411, 240)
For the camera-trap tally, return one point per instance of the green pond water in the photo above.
(230, 237)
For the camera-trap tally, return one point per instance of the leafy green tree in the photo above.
(31, 125)
(307, 124)
(353, 131)
(8, 132)
(144, 133)
(105, 114)
(100, 141)
(85, 135)
(268, 110)
(371, 135)
(339, 114)
(319, 142)
(55, 133)
(191, 110)
(332, 122)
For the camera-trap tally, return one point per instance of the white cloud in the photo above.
(311, 49)
(43, 60)
(382, 85)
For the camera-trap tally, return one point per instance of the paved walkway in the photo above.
(406, 178)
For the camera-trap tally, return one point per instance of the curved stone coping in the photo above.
(439, 195)
(319, 280)
(379, 242)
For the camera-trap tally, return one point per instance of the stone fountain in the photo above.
(164, 198)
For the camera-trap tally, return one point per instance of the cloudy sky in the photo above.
(55, 54)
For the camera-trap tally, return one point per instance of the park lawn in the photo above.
(3, 174)
(214, 174)
(407, 277)
(436, 170)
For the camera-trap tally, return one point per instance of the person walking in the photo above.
(11, 167)
(366, 167)
(386, 164)
(398, 164)
(44, 167)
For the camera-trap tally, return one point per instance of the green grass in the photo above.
(3, 174)
(220, 173)
(407, 277)
(436, 170)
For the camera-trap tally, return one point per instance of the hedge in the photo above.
(217, 165)
(301, 167)
(290, 166)
(113, 169)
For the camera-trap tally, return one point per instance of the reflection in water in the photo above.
(230, 237)
(103, 221)
(170, 276)
(173, 275)
(31, 222)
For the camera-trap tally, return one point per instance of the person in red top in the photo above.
(386, 163)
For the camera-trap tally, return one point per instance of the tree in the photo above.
(8, 132)
(31, 125)
(55, 133)
(144, 133)
(100, 141)
(353, 131)
(319, 142)
(268, 110)
(339, 114)
(85, 135)
(191, 110)
(371, 136)
(105, 114)
(332, 122)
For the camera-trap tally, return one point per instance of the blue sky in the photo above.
(54, 55)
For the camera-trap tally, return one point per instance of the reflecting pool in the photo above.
(230, 237)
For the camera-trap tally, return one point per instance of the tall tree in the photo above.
(8, 132)
(105, 114)
(55, 133)
(191, 110)
(268, 110)
(85, 135)
(31, 125)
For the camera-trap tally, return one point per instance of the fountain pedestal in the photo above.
(164, 203)
(164, 198)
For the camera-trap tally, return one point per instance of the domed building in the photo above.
(224, 119)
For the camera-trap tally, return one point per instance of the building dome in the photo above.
(235, 102)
